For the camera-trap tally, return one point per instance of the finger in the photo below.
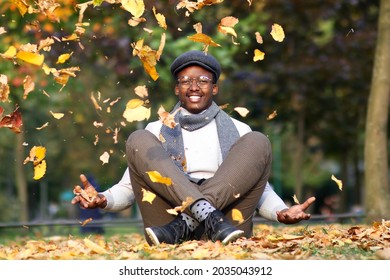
(84, 180)
(308, 202)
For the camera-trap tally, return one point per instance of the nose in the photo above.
(194, 82)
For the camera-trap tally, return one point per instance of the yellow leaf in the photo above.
(242, 111)
(141, 91)
(160, 18)
(105, 157)
(338, 182)
(71, 37)
(227, 30)
(32, 58)
(259, 55)
(135, 111)
(292, 237)
(64, 57)
(156, 177)
(94, 247)
(148, 196)
(277, 33)
(57, 115)
(39, 170)
(175, 211)
(10, 53)
(237, 216)
(22, 6)
(135, 7)
(295, 199)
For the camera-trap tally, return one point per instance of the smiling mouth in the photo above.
(194, 98)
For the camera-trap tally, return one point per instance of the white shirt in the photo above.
(203, 160)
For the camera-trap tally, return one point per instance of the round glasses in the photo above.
(201, 81)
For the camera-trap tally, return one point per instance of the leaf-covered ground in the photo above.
(331, 241)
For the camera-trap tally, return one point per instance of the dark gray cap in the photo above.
(199, 58)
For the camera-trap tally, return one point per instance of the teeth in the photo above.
(194, 98)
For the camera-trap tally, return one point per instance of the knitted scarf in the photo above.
(173, 144)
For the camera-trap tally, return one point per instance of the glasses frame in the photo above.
(197, 81)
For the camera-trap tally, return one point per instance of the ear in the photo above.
(215, 89)
(176, 90)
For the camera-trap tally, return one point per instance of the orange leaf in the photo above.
(202, 38)
(13, 121)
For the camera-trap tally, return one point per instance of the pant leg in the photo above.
(240, 180)
(145, 153)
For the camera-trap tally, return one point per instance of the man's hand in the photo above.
(88, 198)
(295, 213)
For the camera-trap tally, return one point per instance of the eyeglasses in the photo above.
(201, 81)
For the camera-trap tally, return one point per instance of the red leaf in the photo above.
(12, 121)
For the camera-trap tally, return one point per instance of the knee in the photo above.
(257, 139)
(136, 138)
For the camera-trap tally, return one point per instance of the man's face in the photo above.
(195, 88)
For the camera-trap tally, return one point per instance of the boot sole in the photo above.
(232, 236)
(152, 236)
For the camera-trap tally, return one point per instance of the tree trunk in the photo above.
(21, 184)
(377, 192)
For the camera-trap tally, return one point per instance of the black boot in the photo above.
(218, 228)
(175, 232)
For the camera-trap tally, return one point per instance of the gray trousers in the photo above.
(237, 184)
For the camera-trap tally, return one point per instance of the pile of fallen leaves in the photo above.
(333, 241)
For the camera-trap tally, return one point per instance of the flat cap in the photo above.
(199, 58)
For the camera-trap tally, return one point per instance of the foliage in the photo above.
(310, 242)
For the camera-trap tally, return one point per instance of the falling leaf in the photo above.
(135, 111)
(148, 58)
(105, 157)
(21, 5)
(156, 177)
(135, 7)
(226, 25)
(259, 55)
(167, 118)
(135, 21)
(64, 57)
(148, 196)
(42, 126)
(237, 216)
(4, 88)
(28, 86)
(272, 115)
(10, 53)
(36, 156)
(12, 121)
(179, 209)
(86, 221)
(160, 19)
(259, 39)
(296, 201)
(57, 115)
(338, 182)
(141, 91)
(39, 170)
(277, 32)
(32, 58)
(202, 38)
(95, 102)
(242, 111)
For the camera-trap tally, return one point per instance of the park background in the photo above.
(319, 80)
